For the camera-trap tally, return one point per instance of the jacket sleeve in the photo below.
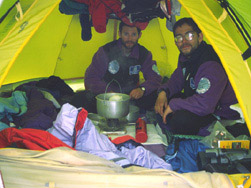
(175, 84)
(95, 72)
(151, 75)
(212, 80)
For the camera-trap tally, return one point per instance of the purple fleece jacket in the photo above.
(95, 72)
(216, 100)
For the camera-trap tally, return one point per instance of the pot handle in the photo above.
(110, 83)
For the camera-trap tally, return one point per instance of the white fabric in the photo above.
(66, 168)
(88, 139)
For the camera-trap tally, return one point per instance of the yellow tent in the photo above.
(42, 42)
(37, 41)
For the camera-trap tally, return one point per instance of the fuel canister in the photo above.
(141, 131)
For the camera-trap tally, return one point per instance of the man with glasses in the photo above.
(198, 91)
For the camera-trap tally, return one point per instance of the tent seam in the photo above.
(62, 46)
(7, 36)
(163, 38)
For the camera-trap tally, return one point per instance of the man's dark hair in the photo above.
(122, 24)
(188, 21)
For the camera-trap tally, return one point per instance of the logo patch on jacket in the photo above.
(113, 67)
(184, 71)
(134, 69)
(203, 86)
(192, 84)
(155, 69)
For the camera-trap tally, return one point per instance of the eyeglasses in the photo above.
(188, 36)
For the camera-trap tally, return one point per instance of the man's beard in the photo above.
(193, 48)
(129, 47)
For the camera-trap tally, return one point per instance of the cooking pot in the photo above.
(113, 105)
(133, 114)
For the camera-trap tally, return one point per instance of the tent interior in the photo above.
(38, 41)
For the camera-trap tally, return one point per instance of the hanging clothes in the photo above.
(175, 11)
(69, 7)
(143, 10)
(101, 9)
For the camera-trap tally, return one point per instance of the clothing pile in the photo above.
(34, 104)
(74, 130)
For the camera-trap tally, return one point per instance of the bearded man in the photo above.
(199, 91)
(116, 66)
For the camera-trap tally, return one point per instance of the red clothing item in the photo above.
(100, 10)
(82, 115)
(122, 139)
(33, 139)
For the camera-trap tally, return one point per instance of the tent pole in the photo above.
(115, 29)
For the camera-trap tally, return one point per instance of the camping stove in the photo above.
(113, 126)
(109, 125)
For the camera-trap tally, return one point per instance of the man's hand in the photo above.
(136, 93)
(161, 103)
(168, 110)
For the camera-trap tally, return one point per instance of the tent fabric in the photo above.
(30, 48)
(55, 50)
(5, 7)
(242, 9)
(63, 167)
(46, 42)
